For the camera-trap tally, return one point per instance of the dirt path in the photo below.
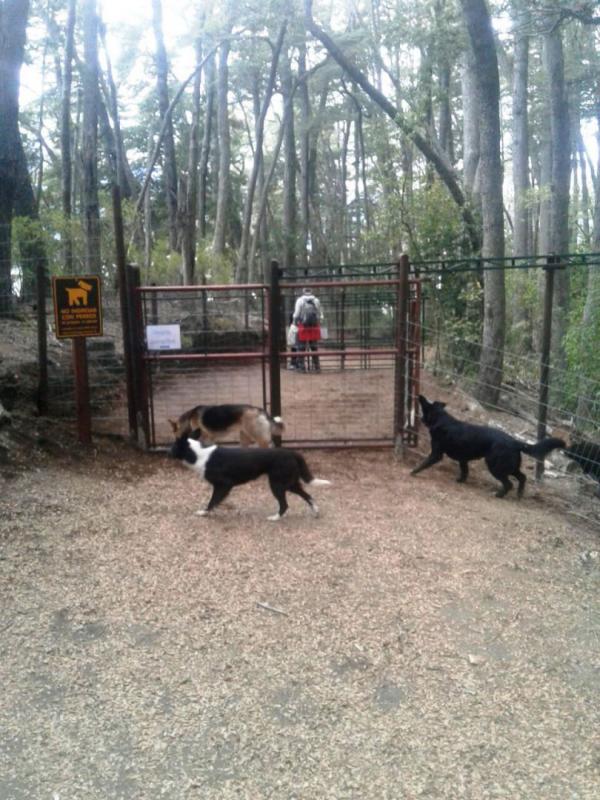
(436, 642)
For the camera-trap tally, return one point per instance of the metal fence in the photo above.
(233, 349)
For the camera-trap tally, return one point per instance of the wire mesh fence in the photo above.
(224, 343)
(218, 354)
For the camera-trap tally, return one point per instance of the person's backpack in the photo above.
(310, 315)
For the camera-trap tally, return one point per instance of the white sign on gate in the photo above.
(163, 337)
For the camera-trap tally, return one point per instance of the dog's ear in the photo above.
(173, 425)
(424, 401)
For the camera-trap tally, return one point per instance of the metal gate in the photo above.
(232, 349)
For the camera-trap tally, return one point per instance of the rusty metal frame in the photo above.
(407, 350)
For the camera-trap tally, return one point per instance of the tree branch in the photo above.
(443, 168)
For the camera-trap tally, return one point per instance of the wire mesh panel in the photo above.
(344, 390)
(345, 395)
(452, 323)
(220, 355)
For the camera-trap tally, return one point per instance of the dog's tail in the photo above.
(541, 449)
(306, 474)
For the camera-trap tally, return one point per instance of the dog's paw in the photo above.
(274, 517)
(202, 513)
(314, 510)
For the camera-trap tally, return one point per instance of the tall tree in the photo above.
(289, 168)
(209, 84)
(190, 193)
(481, 37)
(89, 145)
(242, 266)
(13, 23)
(65, 134)
(560, 178)
(162, 83)
(520, 135)
(224, 143)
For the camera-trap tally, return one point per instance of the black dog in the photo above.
(226, 467)
(465, 442)
(587, 455)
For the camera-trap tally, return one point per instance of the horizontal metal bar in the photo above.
(318, 444)
(160, 356)
(355, 351)
(231, 287)
(343, 284)
(337, 444)
(203, 356)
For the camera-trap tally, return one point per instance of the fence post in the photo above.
(124, 302)
(542, 414)
(401, 354)
(274, 340)
(136, 327)
(82, 389)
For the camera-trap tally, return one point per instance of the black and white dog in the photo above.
(227, 467)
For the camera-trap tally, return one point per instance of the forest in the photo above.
(322, 133)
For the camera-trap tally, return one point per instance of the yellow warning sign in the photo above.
(77, 306)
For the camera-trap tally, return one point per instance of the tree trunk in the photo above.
(304, 172)
(289, 170)
(190, 199)
(89, 145)
(209, 84)
(242, 266)
(65, 136)
(520, 146)
(170, 163)
(585, 194)
(559, 187)
(262, 200)
(148, 239)
(471, 153)
(125, 178)
(445, 123)
(255, 269)
(522, 232)
(224, 183)
(481, 36)
(318, 252)
(13, 23)
(32, 247)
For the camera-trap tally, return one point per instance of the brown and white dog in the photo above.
(214, 423)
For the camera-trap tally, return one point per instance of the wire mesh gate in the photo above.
(232, 349)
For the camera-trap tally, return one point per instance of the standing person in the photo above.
(292, 343)
(307, 316)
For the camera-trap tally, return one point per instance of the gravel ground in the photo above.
(420, 639)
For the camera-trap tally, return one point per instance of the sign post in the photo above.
(77, 315)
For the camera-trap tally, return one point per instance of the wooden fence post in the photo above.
(274, 341)
(82, 389)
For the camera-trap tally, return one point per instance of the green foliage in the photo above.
(436, 225)
(580, 383)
